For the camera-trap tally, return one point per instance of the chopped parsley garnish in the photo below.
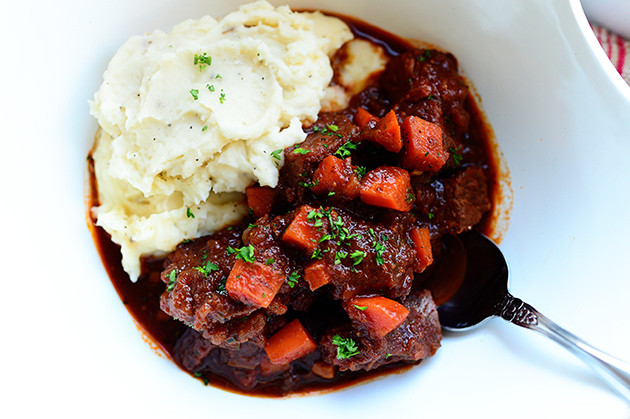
(345, 150)
(357, 256)
(218, 76)
(301, 150)
(346, 347)
(331, 193)
(360, 171)
(205, 127)
(195, 93)
(172, 278)
(410, 197)
(457, 158)
(210, 87)
(425, 56)
(308, 185)
(340, 255)
(221, 287)
(203, 378)
(317, 254)
(207, 268)
(276, 154)
(293, 279)
(222, 98)
(380, 249)
(431, 216)
(204, 60)
(189, 213)
(245, 253)
(270, 261)
(362, 308)
(333, 128)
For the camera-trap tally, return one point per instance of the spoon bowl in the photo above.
(483, 293)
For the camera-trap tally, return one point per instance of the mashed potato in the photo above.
(189, 119)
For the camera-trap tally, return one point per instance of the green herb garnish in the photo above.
(345, 150)
(293, 279)
(172, 278)
(195, 93)
(204, 60)
(301, 150)
(346, 347)
(207, 268)
(189, 213)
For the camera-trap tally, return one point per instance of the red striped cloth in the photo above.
(617, 49)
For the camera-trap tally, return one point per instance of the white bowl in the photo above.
(561, 116)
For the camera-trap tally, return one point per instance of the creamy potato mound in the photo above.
(189, 119)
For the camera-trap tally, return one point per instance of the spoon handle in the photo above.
(614, 371)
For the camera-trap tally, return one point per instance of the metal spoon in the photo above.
(483, 293)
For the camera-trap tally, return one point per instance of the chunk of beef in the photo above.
(416, 338)
(456, 203)
(195, 276)
(331, 131)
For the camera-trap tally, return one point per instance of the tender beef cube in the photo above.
(191, 349)
(320, 142)
(416, 338)
(232, 334)
(417, 81)
(363, 256)
(456, 203)
(195, 274)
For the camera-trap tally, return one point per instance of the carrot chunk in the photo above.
(317, 275)
(362, 117)
(423, 148)
(387, 133)
(260, 199)
(422, 241)
(253, 283)
(337, 176)
(302, 232)
(388, 187)
(289, 343)
(379, 314)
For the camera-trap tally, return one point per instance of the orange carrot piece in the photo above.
(317, 275)
(423, 148)
(422, 241)
(253, 283)
(260, 199)
(336, 175)
(302, 232)
(379, 314)
(388, 187)
(362, 117)
(387, 133)
(289, 343)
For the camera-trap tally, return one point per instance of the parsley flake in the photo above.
(245, 253)
(345, 150)
(346, 347)
(172, 278)
(207, 268)
(357, 257)
(204, 60)
(293, 279)
(189, 213)
(362, 308)
(195, 93)
(457, 158)
(301, 150)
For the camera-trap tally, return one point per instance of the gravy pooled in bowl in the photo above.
(321, 281)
